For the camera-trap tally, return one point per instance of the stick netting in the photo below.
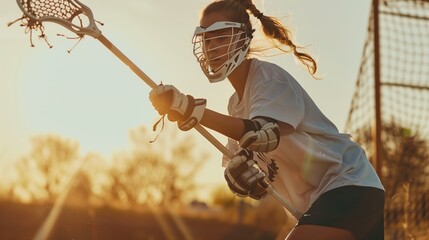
(63, 9)
(69, 13)
(38, 9)
(404, 68)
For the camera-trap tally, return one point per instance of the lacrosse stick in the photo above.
(72, 14)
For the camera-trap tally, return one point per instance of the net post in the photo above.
(376, 133)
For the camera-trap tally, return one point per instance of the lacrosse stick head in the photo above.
(71, 14)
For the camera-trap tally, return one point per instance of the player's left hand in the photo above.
(183, 109)
(244, 178)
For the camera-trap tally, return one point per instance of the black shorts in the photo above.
(357, 209)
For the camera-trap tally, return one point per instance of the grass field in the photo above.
(21, 222)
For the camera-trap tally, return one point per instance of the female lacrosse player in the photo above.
(273, 122)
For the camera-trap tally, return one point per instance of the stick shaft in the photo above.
(198, 127)
(127, 61)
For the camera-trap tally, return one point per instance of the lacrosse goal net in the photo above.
(404, 104)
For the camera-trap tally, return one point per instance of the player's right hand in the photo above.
(183, 109)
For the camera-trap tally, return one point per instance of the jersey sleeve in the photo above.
(277, 96)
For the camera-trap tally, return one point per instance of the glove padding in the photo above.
(264, 139)
(180, 108)
(244, 178)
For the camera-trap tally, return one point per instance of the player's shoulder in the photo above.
(269, 72)
(265, 66)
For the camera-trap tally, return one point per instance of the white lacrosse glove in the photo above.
(183, 109)
(244, 178)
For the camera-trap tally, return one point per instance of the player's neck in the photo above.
(238, 77)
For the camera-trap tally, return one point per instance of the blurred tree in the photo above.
(161, 173)
(405, 154)
(90, 182)
(6, 190)
(43, 172)
(223, 197)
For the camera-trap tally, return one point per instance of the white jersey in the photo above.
(311, 160)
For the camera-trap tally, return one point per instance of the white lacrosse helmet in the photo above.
(220, 48)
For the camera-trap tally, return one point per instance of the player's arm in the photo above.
(231, 127)
(259, 134)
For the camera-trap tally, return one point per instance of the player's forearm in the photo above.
(229, 126)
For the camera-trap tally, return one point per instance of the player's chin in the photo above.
(216, 63)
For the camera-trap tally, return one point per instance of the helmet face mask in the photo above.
(220, 48)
